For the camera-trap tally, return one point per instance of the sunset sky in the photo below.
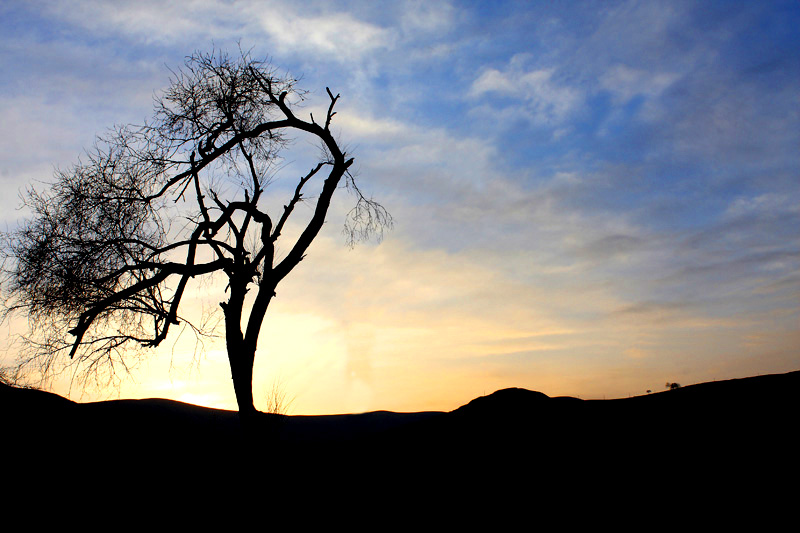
(590, 198)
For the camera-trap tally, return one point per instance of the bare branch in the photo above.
(366, 218)
(331, 112)
(298, 196)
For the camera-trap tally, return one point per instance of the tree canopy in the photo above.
(102, 265)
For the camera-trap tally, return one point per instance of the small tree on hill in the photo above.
(101, 268)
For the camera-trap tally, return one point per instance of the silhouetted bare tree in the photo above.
(101, 268)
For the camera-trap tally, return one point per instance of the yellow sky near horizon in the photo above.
(387, 327)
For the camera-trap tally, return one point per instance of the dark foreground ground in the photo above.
(721, 447)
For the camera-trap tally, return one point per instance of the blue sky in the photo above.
(590, 198)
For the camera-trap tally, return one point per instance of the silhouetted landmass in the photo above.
(732, 435)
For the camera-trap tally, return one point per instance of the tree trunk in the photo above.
(241, 355)
(242, 360)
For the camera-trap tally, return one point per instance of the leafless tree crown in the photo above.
(103, 263)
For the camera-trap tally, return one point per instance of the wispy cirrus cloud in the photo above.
(625, 82)
(314, 30)
(338, 36)
(150, 22)
(545, 100)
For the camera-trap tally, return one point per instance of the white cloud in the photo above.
(367, 128)
(546, 101)
(426, 17)
(763, 205)
(493, 80)
(626, 82)
(151, 21)
(340, 36)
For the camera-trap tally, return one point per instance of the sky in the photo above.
(589, 198)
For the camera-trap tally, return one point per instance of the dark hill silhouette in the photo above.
(679, 443)
(721, 405)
